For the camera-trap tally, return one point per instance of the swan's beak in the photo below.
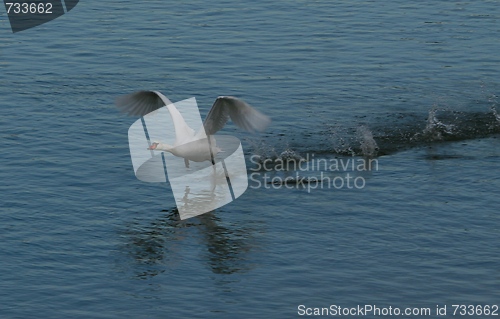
(153, 146)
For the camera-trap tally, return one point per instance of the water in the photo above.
(414, 84)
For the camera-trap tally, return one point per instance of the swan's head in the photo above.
(159, 146)
(154, 146)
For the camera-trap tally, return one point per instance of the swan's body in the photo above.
(197, 151)
(195, 146)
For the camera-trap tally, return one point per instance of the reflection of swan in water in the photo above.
(205, 189)
(191, 145)
(158, 246)
(226, 247)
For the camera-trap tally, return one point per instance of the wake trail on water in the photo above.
(392, 134)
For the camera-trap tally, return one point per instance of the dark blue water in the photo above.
(81, 237)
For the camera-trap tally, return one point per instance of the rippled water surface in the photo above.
(410, 86)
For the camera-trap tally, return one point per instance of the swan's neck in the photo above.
(164, 147)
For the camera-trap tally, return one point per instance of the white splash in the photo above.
(495, 113)
(435, 128)
(289, 155)
(368, 145)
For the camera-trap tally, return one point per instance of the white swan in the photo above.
(191, 145)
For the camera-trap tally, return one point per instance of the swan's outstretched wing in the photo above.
(144, 102)
(242, 114)
(141, 103)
